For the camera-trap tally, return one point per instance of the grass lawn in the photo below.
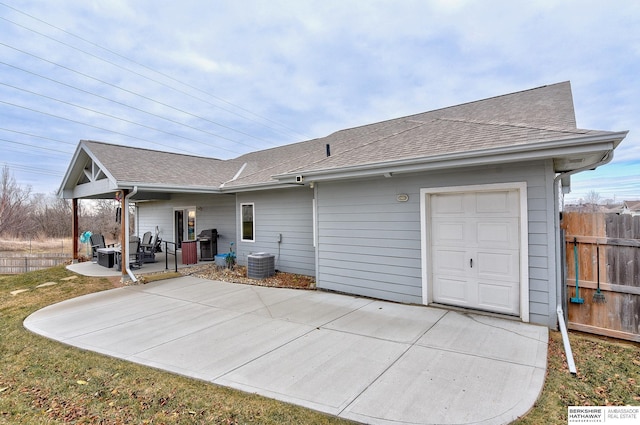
(43, 381)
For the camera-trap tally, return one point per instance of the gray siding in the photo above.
(213, 211)
(369, 243)
(288, 212)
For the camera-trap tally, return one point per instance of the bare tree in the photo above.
(14, 205)
(23, 214)
(592, 200)
(50, 215)
(103, 215)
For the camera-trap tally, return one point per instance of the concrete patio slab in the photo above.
(356, 358)
(89, 268)
(313, 308)
(136, 336)
(489, 337)
(394, 322)
(447, 387)
(324, 369)
(216, 350)
(77, 322)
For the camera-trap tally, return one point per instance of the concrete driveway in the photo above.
(357, 358)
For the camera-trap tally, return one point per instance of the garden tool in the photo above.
(576, 299)
(598, 297)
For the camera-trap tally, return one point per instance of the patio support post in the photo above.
(74, 229)
(124, 248)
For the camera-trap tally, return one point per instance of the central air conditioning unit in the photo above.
(260, 265)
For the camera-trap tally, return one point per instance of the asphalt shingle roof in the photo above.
(136, 165)
(537, 115)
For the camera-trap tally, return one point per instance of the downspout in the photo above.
(125, 211)
(608, 156)
(565, 340)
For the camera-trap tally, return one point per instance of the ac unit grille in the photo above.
(260, 265)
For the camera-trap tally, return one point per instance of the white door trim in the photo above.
(185, 210)
(425, 213)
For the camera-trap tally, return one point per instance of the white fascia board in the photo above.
(62, 192)
(145, 187)
(264, 186)
(89, 190)
(528, 152)
(159, 187)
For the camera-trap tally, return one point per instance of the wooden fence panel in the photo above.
(608, 254)
(11, 263)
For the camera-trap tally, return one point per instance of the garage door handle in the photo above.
(471, 263)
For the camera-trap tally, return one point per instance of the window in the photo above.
(248, 223)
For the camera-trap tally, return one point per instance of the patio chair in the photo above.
(97, 242)
(147, 249)
(135, 254)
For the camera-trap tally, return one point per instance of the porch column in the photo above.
(74, 229)
(124, 248)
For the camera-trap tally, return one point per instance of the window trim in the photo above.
(253, 230)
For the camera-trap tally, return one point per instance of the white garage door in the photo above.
(475, 246)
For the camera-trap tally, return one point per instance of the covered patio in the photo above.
(163, 263)
(102, 171)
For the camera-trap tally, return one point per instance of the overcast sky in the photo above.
(223, 77)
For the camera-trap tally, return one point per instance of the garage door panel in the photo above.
(452, 291)
(449, 233)
(497, 233)
(497, 298)
(447, 204)
(502, 265)
(499, 203)
(452, 262)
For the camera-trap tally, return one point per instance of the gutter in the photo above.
(126, 237)
(542, 150)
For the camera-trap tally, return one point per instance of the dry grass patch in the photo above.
(608, 374)
(37, 246)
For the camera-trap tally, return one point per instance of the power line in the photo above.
(124, 104)
(118, 118)
(35, 135)
(35, 146)
(92, 126)
(152, 70)
(37, 170)
(125, 90)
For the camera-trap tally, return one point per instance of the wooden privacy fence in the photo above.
(606, 249)
(16, 263)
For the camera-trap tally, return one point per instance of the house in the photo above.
(631, 207)
(458, 206)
